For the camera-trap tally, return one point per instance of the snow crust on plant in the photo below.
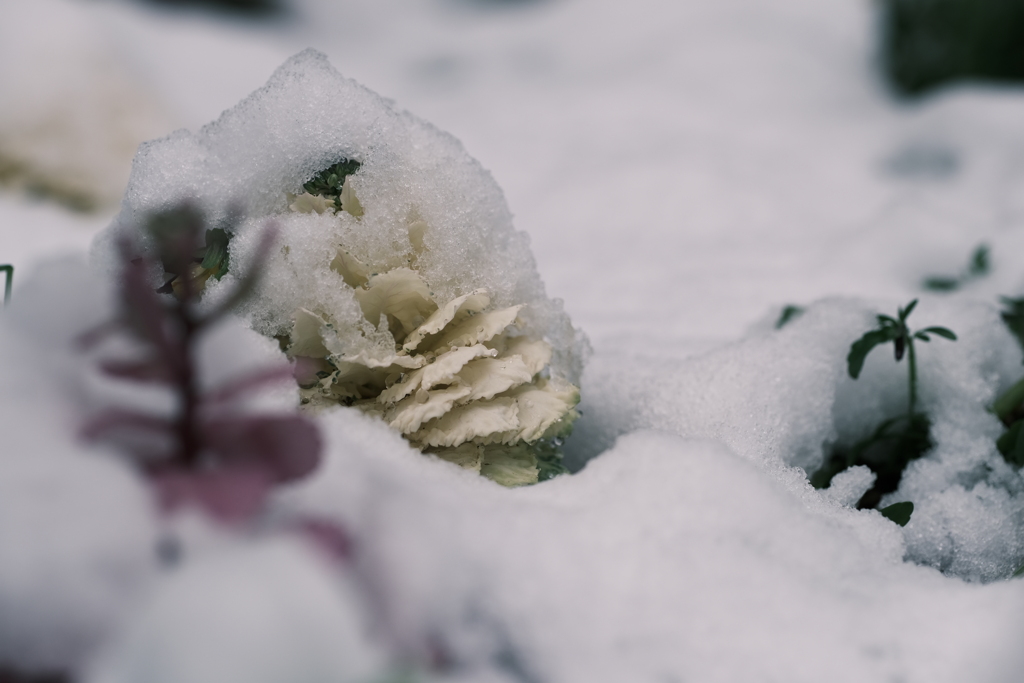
(418, 260)
(305, 119)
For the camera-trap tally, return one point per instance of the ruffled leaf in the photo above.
(471, 421)
(454, 311)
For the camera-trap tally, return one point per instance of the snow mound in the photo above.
(269, 612)
(782, 398)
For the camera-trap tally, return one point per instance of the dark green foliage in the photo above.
(925, 43)
(788, 313)
(8, 271)
(978, 266)
(328, 182)
(250, 8)
(898, 440)
(887, 451)
(549, 460)
(215, 253)
(1013, 316)
(898, 512)
(1009, 408)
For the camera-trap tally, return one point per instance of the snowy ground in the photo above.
(683, 171)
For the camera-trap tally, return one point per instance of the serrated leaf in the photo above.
(898, 512)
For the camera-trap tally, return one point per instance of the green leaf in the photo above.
(940, 331)
(922, 336)
(898, 512)
(1019, 572)
(862, 347)
(979, 261)
(905, 312)
(886, 320)
(1011, 445)
(1011, 399)
(941, 283)
(788, 313)
(216, 253)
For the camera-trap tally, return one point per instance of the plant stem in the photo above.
(912, 364)
(9, 272)
(188, 428)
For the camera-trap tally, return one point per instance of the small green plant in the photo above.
(8, 271)
(978, 266)
(329, 182)
(898, 440)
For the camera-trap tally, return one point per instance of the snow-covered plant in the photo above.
(399, 284)
(464, 380)
(209, 452)
(898, 440)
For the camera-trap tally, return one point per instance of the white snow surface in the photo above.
(683, 171)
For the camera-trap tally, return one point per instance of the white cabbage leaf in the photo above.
(442, 371)
(478, 328)
(455, 310)
(471, 421)
(410, 413)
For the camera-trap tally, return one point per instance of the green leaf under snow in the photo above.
(898, 512)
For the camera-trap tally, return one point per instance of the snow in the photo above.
(682, 172)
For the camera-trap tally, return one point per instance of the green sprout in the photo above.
(978, 266)
(896, 441)
(329, 182)
(8, 271)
